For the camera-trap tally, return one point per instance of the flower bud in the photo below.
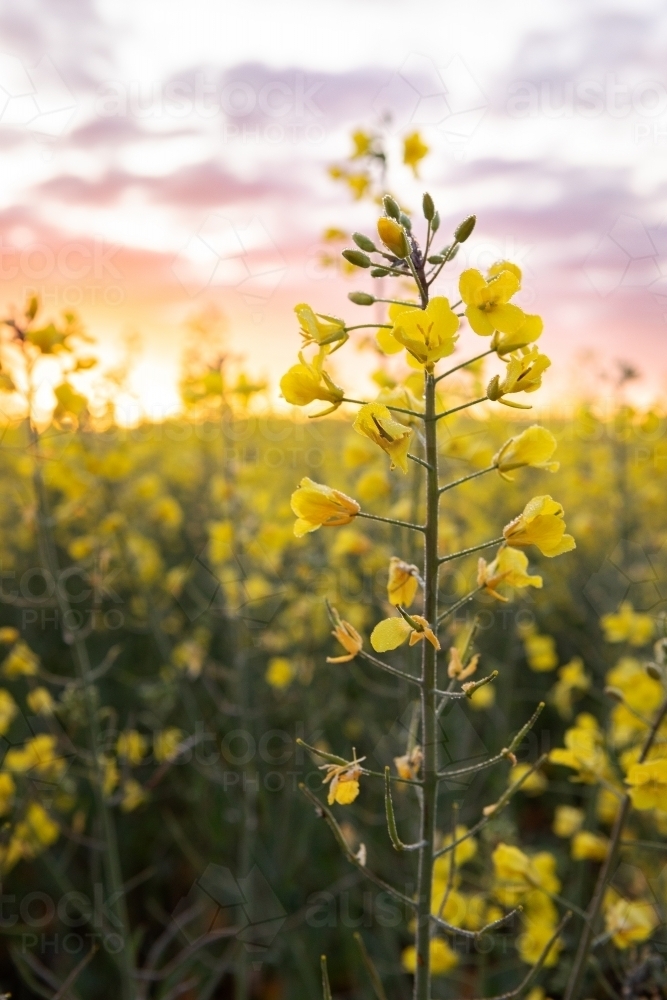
(463, 231)
(379, 272)
(435, 223)
(364, 243)
(436, 258)
(391, 207)
(361, 298)
(654, 671)
(393, 236)
(357, 258)
(428, 207)
(406, 222)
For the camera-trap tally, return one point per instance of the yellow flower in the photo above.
(464, 852)
(8, 709)
(427, 334)
(8, 635)
(131, 746)
(541, 523)
(572, 682)
(279, 673)
(529, 331)
(39, 755)
(392, 632)
(522, 374)
(648, 783)
(7, 792)
(533, 447)
(320, 329)
(414, 151)
(316, 506)
(540, 652)
(628, 626)
(305, 382)
(642, 694)
(583, 751)
(567, 821)
(628, 922)
(393, 236)
(587, 846)
(409, 764)
(362, 144)
(166, 743)
(38, 829)
(455, 668)
(40, 701)
(509, 567)
(348, 637)
(442, 958)
(403, 582)
(110, 775)
(343, 781)
(374, 421)
(21, 662)
(385, 337)
(133, 795)
(518, 875)
(534, 785)
(534, 940)
(487, 302)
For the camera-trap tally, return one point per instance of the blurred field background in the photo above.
(163, 633)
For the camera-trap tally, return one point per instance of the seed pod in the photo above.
(357, 258)
(361, 298)
(462, 233)
(428, 207)
(364, 243)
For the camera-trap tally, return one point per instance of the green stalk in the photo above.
(429, 798)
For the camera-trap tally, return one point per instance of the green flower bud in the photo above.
(436, 259)
(428, 207)
(361, 298)
(364, 243)
(379, 272)
(406, 221)
(357, 258)
(462, 233)
(654, 671)
(391, 207)
(435, 223)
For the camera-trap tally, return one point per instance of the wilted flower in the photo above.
(344, 781)
(403, 582)
(408, 765)
(392, 632)
(347, 636)
(455, 668)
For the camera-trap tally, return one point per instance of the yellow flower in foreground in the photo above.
(392, 632)
(441, 956)
(427, 334)
(567, 821)
(279, 673)
(304, 383)
(541, 523)
(587, 846)
(317, 328)
(533, 447)
(343, 781)
(648, 784)
(131, 746)
(414, 151)
(487, 302)
(522, 374)
(317, 506)
(403, 582)
(509, 567)
(384, 336)
(628, 625)
(374, 421)
(628, 922)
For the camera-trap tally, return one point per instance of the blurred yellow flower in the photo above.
(587, 846)
(8, 635)
(573, 681)
(8, 709)
(519, 873)
(487, 302)
(541, 524)
(628, 922)
(7, 792)
(648, 784)
(133, 795)
(363, 142)
(279, 673)
(306, 382)
(408, 765)
(523, 373)
(20, 662)
(442, 958)
(533, 447)
(567, 821)
(628, 625)
(375, 422)
(427, 334)
(583, 751)
(37, 754)
(535, 784)
(131, 746)
(534, 940)
(349, 639)
(414, 151)
(40, 701)
(166, 743)
(317, 506)
(402, 583)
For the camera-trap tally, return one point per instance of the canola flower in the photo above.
(308, 381)
(541, 524)
(375, 422)
(532, 448)
(523, 373)
(319, 506)
(628, 625)
(402, 583)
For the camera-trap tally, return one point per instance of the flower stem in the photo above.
(465, 479)
(391, 520)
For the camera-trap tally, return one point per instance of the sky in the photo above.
(163, 160)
